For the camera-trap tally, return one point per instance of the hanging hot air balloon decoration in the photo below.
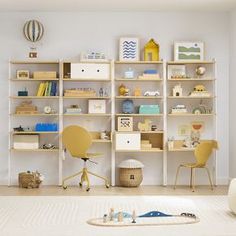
(33, 31)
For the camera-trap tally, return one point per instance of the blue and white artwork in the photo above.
(129, 49)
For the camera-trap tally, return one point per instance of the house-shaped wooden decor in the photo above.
(151, 51)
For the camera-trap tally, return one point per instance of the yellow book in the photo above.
(46, 89)
(43, 89)
(40, 88)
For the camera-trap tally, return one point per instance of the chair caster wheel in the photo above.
(80, 184)
(107, 186)
(87, 189)
(64, 187)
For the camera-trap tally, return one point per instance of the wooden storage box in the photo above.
(26, 141)
(127, 141)
(44, 74)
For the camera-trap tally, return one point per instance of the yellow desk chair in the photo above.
(202, 153)
(77, 141)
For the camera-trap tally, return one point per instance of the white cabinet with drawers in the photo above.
(127, 141)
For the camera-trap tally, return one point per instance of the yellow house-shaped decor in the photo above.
(151, 51)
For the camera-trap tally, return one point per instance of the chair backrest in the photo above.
(203, 151)
(76, 140)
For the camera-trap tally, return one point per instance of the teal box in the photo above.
(149, 109)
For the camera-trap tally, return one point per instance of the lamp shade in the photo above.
(33, 30)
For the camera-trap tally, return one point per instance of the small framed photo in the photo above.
(176, 71)
(189, 51)
(129, 49)
(184, 130)
(97, 106)
(125, 123)
(22, 74)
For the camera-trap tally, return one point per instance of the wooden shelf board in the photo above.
(101, 141)
(86, 97)
(138, 62)
(35, 132)
(139, 97)
(35, 150)
(142, 150)
(39, 114)
(181, 150)
(190, 97)
(33, 61)
(152, 132)
(87, 80)
(141, 80)
(141, 115)
(34, 97)
(33, 80)
(105, 115)
(89, 61)
(190, 114)
(193, 79)
(189, 62)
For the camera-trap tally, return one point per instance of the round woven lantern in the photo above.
(130, 172)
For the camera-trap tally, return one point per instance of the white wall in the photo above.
(232, 117)
(67, 34)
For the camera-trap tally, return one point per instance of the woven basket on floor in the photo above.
(131, 174)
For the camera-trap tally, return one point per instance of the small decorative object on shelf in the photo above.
(97, 106)
(104, 135)
(23, 93)
(47, 110)
(152, 93)
(30, 179)
(146, 126)
(149, 74)
(26, 107)
(93, 56)
(154, 128)
(149, 109)
(105, 218)
(111, 214)
(199, 91)
(171, 143)
(137, 92)
(18, 129)
(80, 92)
(130, 172)
(197, 128)
(73, 109)
(120, 217)
(125, 123)
(178, 109)
(129, 49)
(123, 90)
(184, 130)
(177, 91)
(200, 71)
(201, 109)
(146, 144)
(177, 72)
(22, 74)
(189, 51)
(128, 106)
(151, 51)
(129, 74)
(48, 146)
(187, 142)
(103, 92)
(134, 216)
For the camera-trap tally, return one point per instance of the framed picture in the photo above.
(125, 123)
(184, 130)
(97, 106)
(129, 49)
(22, 74)
(176, 71)
(189, 51)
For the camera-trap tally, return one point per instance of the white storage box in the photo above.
(90, 71)
(128, 141)
(28, 141)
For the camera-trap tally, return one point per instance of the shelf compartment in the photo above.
(86, 80)
(96, 137)
(155, 139)
(138, 62)
(192, 79)
(190, 97)
(190, 114)
(137, 80)
(35, 150)
(88, 115)
(86, 97)
(34, 80)
(140, 115)
(139, 97)
(34, 97)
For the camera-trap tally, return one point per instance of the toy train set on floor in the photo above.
(120, 219)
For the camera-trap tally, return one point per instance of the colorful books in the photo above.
(48, 88)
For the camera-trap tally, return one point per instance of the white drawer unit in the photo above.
(29, 141)
(90, 71)
(128, 141)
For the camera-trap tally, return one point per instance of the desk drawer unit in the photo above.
(127, 141)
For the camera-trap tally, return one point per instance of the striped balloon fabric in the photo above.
(33, 30)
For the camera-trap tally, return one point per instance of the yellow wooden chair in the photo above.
(77, 141)
(202, 153)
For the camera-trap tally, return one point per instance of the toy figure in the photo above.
(120, 216)
(137, 91)
(134, 217)
(111, 214)
(101, 92)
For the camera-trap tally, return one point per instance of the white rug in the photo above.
(67, 216)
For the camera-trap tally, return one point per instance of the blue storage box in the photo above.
(149, 109)
(45, 127)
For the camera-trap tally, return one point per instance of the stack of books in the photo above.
(48, 88)
(150, 74)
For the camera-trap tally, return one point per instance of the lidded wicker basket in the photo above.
(130, 173)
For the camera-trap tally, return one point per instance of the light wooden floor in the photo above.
(100, 190)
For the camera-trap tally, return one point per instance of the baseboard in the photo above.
(223, 181)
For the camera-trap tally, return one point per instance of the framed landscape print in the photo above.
(129, 49)
(189, 51)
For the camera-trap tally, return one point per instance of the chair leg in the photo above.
(193, 179)
(101, 177)
(209, 177)
(70, 177)
(177, 174)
